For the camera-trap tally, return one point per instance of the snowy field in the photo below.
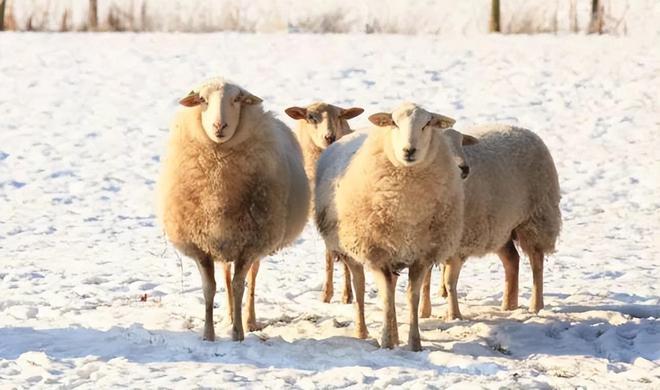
(91, 295)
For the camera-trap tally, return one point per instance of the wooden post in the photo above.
(495, 16)
(93, 20)
(596, 25)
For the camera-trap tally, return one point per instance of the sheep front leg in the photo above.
(238, 286)
(230, 295)
(347, 296)
(416, 274)
(510, 260)
(425, 307)
(329, 268)
(251, 321)
(357, 272)
(451, 273)
(384, 279)
(207, 272)
(536, 261)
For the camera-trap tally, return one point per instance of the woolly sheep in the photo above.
(391, 199)
(512, 196)
(318, 126)
(232, 190)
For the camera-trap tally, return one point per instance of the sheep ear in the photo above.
(381, 119)
(296, 112)
(351, 113)
(191, 100)
(469, 140)
(441, 121)
(248, 98)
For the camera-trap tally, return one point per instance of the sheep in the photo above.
(391, 199)
(232, 190)
(319, 125)
(512, 196)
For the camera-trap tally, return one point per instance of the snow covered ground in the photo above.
(83, 120)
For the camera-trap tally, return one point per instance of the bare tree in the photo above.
(495, 16)
(573, 16)
(597, 16)
(93, 19)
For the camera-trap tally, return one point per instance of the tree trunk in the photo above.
(596, 25)
(93, 20)
(3, 3)
(495, 16)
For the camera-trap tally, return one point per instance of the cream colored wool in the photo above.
(235, 201)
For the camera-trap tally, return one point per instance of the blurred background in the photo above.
(618, 17)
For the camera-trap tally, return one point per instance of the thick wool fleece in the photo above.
(236, 201)
(387, 216)
(512, 187)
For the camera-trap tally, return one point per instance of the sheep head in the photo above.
(456, 141)
(411, 130)
(221, 103)
(324, 123)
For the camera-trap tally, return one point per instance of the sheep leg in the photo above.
(536, 261)
(451, 272)
(384, 279)
(207, 272)
(251, 320)
(443, 289)
(416, 275)
(358, 284)
(238, 286)
(347, 296)
(510, 259)
(394, 325)
(329, 268)
(230, 295)
(425, 308)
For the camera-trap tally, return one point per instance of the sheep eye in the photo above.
(237, 99)
(311, 119)
(426, 125)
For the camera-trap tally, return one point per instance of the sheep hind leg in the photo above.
(511, 260)
(394, 325)
(386, 288)
(251, 319)
(425, 307)
(451, 272)
(329, 268)
(347, 296)
(207, 272)
(230, 294)
(536, 261)
(416, 274)
(357, 272)
(443, 289)
(238, 287)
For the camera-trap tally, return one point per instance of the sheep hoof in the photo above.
(237, 335)
(535, 308)
(453, 316)
(254, 326)
(327, 296)
(425, 312)
(347, 298)
(508, 306)
(415, 346)
(361, 334)
(209, 335)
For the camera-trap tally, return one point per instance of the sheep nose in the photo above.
(409, 153)
(465, 171)
(219, 128)
(329, 138)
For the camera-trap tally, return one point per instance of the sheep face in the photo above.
(221, 103)
(411, 132)
(324, 123)
(456, 141)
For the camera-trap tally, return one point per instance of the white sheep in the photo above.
(318, 126)
(232, 189)
(511, 196)
(391, 199)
